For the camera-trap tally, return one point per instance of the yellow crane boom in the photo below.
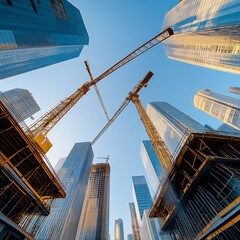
(160, 147)
(45, 123)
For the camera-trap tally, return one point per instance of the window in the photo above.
(59, 9)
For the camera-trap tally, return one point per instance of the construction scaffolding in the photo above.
(28, 182)
(198, 197)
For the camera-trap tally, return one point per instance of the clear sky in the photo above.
(115, 29)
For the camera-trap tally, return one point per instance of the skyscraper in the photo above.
(22, 101)
(172, 125)
(63, 221)
(142, 201)
(134, 222)
(151, 164)
(59, 164)
(219, 106)
(95, 216)
(235, 90)
(129, 237)
(141, 196)
(150, 227)
(36, 34)
(206, 33)
(119, 233)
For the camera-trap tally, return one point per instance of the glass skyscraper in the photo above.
(129, 237)
(23, 101)
(172, 125)
(206, 33)
(95, 215)
(148, 228)
(63, 221)
(151, 164)
(59, 164)
(119, 233)
(226, 109)
(35, 34)
(141, 196)
(134, 222)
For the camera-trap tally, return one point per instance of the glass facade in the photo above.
(134, 222)
(22, 101)
(206, 33)
(226, 109)
(141, 196)
(129, 237)
(172, 125)
(151, 164)
(119, 233)
(63, 221)
(95, 218)
(59, 164)
(149, 227)
(35, 34)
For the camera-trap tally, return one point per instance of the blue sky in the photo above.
(115, 29)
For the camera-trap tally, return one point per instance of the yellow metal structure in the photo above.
(44, 124)
(160, 147)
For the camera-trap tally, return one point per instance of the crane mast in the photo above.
(45, 123)
(159, 146)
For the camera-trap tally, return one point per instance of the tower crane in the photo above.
(44, 124)
(160, 147)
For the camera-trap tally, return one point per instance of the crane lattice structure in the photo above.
(45, 123)
(160, 147)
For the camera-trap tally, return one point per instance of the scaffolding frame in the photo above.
(180, 199)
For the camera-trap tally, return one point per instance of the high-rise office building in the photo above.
(150, 227)
(129, 237)
(151, 164)
(36, 34)
(134, 222)
(206, 33)
(95, 215)
(142, 201)
(23, 101)
(59, 164)
(219, 106)
(63, 221)
(172, 125)
(118, 228)
(141, 196)
(235, 90)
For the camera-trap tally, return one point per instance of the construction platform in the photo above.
(27, 180)
(204, 174)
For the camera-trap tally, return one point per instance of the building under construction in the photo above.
(95, 216)
(28, 182)
(199, 196)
